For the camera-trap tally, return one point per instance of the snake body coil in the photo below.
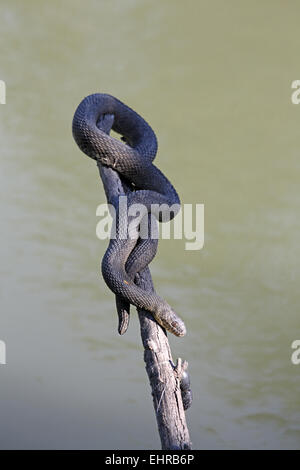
(127, 169)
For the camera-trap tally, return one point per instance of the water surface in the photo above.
(214, 80)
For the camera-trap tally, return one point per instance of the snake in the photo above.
(126, 168)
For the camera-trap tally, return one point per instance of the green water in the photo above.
(213, 78)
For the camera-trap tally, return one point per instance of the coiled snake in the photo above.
(126, 169)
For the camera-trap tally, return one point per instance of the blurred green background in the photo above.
(213, 79)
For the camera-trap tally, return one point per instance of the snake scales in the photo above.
(126, 169)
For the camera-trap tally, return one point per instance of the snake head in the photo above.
(169, 319)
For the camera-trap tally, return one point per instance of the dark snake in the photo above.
(126, 168)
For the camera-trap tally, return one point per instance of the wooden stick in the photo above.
(163, 376)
